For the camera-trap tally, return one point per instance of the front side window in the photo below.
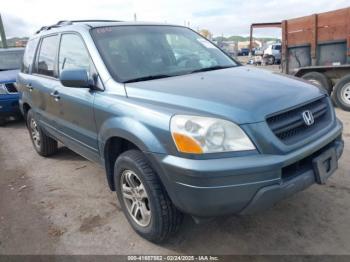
(136, 53)
(47, 56)
(277, 47)
(73, 54)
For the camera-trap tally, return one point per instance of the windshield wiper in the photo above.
(210, 69)
(145, 78)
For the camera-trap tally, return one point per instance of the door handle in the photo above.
(30, 87)
(55, 95)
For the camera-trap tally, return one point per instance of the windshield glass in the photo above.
(10, 59)
(138, 53)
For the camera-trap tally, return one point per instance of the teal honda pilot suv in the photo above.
(180, 127)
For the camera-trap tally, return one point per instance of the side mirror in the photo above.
(75, 78)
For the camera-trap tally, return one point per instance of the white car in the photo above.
(272, 53)
(259, 52)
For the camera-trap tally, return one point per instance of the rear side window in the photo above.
(47, 55)
(73, 54)
(29, 56)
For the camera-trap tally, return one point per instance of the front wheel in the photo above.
(143, 198)
(341, 93)
(43, 144)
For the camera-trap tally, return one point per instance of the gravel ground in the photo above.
(62, 205)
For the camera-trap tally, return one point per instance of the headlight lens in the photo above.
(3, 90)
(198, 135)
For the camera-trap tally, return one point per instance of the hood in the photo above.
(241, 94)
(8, 76)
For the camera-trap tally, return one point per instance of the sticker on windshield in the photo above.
(103, 30)
(206, 43)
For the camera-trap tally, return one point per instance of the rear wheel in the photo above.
(341, 93)
(143, 198)
(320, 80)
(43, 144)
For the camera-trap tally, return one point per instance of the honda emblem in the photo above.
(308, 117)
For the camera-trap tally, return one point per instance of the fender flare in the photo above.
(128, 129)
(131, 130)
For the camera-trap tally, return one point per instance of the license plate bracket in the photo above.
(325, 165)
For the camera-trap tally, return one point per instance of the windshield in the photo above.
(139, 53)
(10, 59)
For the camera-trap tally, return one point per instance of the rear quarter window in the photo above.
(28, 57)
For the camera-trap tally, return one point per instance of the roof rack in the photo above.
(92, 20)
(71, 22)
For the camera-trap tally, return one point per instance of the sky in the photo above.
(221, 17)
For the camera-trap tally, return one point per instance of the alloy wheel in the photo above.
(34, 131)
(135, 198)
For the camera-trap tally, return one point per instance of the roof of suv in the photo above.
(91, 24)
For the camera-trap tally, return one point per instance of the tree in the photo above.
(206, 33)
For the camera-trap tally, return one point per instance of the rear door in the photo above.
(76, 114)
(43, 81)
(25, 78)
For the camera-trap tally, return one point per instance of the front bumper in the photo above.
(9, 105)
(213, 187)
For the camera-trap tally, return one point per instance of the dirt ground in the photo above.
(62, 205)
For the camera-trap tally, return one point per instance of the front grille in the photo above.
(11, 88)
(289, 126)
(305, 164)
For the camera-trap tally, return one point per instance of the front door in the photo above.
(76, 115)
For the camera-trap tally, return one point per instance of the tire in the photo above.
(163, 218)
(270, 60)
(341, 93)
(43, 144)
(320, 80)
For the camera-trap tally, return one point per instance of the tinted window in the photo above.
(73, 54)
(132, 52)
(47, 55)
(10, 59)
(29, 55)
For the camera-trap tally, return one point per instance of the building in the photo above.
(246, 44)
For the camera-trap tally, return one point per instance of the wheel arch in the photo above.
(118, 135)
(26, 107)
(113, 148)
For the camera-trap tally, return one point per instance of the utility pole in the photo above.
(2, 34)
(135, 17)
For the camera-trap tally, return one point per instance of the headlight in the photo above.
(198, 135)
(3, 90)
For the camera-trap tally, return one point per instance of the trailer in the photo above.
(317, 48)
